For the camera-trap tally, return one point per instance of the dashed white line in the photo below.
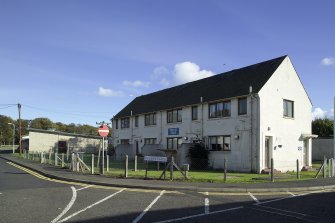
(92, 205)
(206, 204)
(253, 197)
(67, 208)
(148, 208)
(84, 187)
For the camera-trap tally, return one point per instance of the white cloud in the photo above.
(320, 113)
(105, 92)
(327, 61)
(165, 82)
(188, 71)
(136, 83)
(160, 72)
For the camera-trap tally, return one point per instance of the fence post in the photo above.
(146, 169)
(107, 163)
(224, 170)
(333, 170)
(157, 165)
(298, 170)
(56, 160)
(135, 168)
(62, 160)
(171, 168)
(186, 169)
(126, 167)
(272, 171)
(324, 168)
(92, 166)
(50, 157)
(41, 157)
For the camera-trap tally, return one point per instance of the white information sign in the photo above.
(155, 158)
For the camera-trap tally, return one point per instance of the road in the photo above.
(28, 197)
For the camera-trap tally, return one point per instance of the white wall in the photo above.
(284, 84)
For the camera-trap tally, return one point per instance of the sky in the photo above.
(82, 61)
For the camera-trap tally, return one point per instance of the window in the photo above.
(125, 141)
(194, 112)
(219, 143)
(136, 121)
(174, 115)
(288, 108)
(124, 123)
(150, 141)
(173, 143)
(150, 119)
(220, 109)
(242, 106)
(116, 123)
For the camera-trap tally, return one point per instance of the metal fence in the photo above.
(125, 166)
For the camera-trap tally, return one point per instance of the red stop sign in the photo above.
(103, 130)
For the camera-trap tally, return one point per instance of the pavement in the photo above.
(67, 175)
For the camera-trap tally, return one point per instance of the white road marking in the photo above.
(84, 187)
(92, 205)
(199, 215)
(253, 197)
(148, 208)
(68, 206)
(291, 193)
(206, 204)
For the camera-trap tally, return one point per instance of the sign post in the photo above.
(103, 132)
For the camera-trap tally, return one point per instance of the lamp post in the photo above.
(13, 135)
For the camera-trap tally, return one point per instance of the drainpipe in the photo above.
(131, 123)
(251, 130)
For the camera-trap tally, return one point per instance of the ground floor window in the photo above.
(173, 143)
(125, 141)
(150, 141)
(219, 143)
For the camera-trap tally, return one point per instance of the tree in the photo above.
(323, 127)
(6, 131)
(42, 123)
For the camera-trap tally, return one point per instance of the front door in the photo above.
(267, 155)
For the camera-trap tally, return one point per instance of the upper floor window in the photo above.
(136, 121)
(149, 141)
(288, 108)
(174, 115)
(219, 109)
(150, 119)
(125, 123)
(242, 106)
(194, 112)
(219, 143)
(116, 123)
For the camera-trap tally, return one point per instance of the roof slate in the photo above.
(230, 84)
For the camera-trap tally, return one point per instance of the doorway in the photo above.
(268, 152)
(305, 153)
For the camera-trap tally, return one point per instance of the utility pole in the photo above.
(20, 142)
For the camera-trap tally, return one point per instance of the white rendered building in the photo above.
(248, 116)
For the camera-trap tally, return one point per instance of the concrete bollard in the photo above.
(324, 168)
(186, 169)
(62, 160)
(56, 159)
(135, 168)
(171, 168)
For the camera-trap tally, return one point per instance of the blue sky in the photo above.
(83, 61)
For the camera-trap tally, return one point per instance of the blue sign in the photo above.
(173, 131)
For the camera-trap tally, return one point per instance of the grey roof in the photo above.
(63, 133)
(230, 84)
